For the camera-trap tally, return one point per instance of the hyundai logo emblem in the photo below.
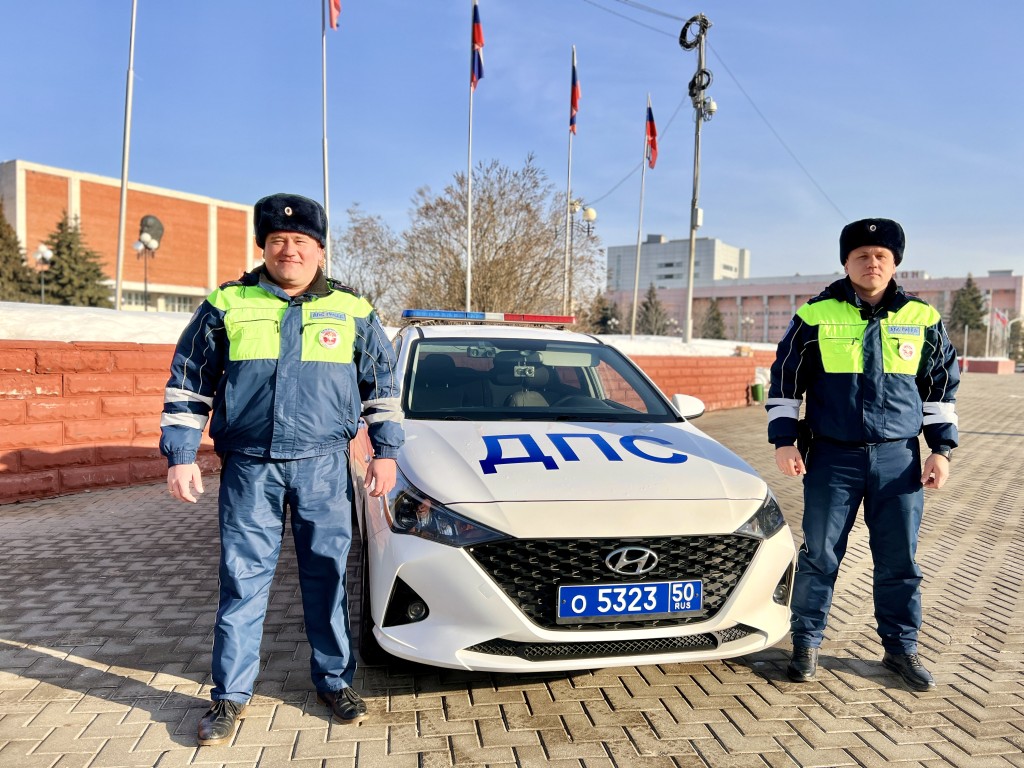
(631, 561)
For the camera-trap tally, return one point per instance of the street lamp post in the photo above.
(43, 256)
(748, 323)
(151, 231)
(586, 224)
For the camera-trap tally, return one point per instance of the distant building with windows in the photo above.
(758, 309)
(206, 241)
(665, 263)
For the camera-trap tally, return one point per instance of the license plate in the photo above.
(586, 603)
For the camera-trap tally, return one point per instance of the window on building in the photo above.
(179, 303)
(133, 299)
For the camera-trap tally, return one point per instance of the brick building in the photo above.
(758, 309)
(206, 241)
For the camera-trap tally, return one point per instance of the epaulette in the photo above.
(337, 285)
(253, 279)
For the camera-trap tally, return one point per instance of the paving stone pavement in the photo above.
(107, 601)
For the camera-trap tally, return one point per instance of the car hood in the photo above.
(459, 462)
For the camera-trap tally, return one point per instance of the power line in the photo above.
(775, 133)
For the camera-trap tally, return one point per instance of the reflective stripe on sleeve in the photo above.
(193, 420)
(783, 408)
(175, 395)
(940, 413)
(382, 409)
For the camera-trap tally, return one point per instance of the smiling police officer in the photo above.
(282, 359)
(876, 367)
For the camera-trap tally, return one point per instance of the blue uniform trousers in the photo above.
(887, 478)
(254, 494)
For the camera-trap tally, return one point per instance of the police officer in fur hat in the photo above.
(875, 368)
(282, 364)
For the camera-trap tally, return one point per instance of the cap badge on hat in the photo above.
(328, 338)
(871, 228)
(907, 350)
(287, 210)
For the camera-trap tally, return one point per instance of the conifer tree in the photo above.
(968, 311)
(17, 281)
(651, 317)
(75, 277)
(602, 316)
(713, 326)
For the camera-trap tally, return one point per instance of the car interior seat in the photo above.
(434, 386)
(531, 381)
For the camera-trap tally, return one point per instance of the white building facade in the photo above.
(664, 263)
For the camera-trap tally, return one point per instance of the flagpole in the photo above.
(469, 182)
(568, 196)
(476, 72)
(323, 72)
(640, 222)
(121, 220)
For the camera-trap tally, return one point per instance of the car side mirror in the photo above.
(688, 406)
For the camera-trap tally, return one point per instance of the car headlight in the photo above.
(412, 512)
(766, 521)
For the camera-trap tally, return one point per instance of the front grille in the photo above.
(531, 570)
(706, 641)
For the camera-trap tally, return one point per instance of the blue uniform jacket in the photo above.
(281, 377)
(870, 375)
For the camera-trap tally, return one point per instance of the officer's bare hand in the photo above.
(381, 476)
(788, 459)
(181, 478)
(936, 471)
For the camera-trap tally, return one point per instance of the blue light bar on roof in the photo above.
(487, 317)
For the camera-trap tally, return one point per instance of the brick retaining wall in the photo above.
(82, 415)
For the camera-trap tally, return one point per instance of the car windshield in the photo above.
(527, 379)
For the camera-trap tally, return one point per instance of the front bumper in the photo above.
(475, 622)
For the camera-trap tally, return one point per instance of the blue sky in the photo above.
(827, 111)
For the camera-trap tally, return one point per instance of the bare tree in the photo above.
(518, 257)
(366, 257)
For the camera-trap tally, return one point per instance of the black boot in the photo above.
(218, 724)
(909, 667)
(345, 705)
(803, 665)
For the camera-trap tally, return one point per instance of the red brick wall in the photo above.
(50, 195)
(721, 382)
(100, 207)
(232, 238)
(81, 415)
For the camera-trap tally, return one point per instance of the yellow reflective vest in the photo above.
(869, 374)
(281, 377)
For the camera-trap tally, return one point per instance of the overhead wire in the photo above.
(739, 85)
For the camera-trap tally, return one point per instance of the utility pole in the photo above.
(704, 107)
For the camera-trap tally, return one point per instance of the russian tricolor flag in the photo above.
(476, 71)
(652, 136)
(574, 96)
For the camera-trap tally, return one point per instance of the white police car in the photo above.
(554, 511)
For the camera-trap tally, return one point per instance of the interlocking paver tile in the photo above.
(16, 754)
(519, 717)
(807, 756)
(105, 650)
(493, 733)
(957, 757)
(737, 742)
